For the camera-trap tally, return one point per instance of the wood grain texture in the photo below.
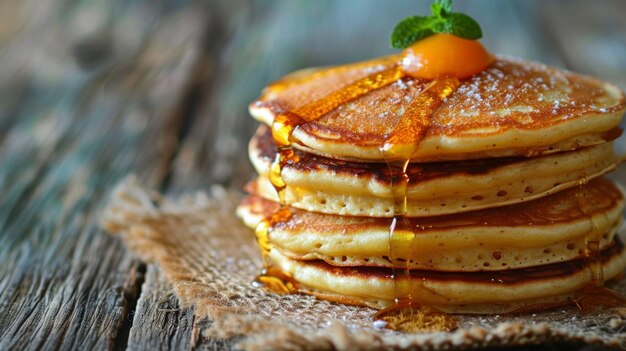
(80, 124)
(158, 322)
(94, 90)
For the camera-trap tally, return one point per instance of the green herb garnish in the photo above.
(442, 20)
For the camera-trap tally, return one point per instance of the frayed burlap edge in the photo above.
(265, 335)
(136, 214)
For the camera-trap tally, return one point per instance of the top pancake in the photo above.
(512, 108)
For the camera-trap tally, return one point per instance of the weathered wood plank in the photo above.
(75, 132)
(159, 323)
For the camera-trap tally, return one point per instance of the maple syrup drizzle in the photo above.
(404, 139)
(591, 252)
(311, 74)
(284, 155)
(282, 129)
(408, 317)
(275, 280)
(594, 295)
(285, 123)
(407, 314)
(272, 278)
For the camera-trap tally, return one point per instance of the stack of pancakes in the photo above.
(499, 205)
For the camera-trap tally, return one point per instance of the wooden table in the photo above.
(94, 90)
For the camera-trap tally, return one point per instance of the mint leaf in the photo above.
(442, 26)
(446, 5)
(410, 30)
(442, 20)
(462, 25)
(441, 8)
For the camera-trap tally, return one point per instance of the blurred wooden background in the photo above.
(91, 91)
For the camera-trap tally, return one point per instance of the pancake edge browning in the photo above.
(373, 179)
(471, 147)
(582, 127)
(544, 230)
(372, 206)
(452, 292)
(437, 249)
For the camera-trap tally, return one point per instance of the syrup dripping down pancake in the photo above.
(453, 292)
(510, 114)
(512, 108)
(332, 186)
(551, 229)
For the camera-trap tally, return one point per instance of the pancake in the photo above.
(332, 186)
(512, 108)
(453, 292)
(500, 209)
(551, 229)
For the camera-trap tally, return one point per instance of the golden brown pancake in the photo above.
(512, 108)
(500, 208)
(454, 292)
(322, 184)
(552, 229)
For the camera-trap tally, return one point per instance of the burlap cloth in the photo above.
(210, 258)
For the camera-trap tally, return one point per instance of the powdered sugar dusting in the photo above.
(522, 94)
(511, 93)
